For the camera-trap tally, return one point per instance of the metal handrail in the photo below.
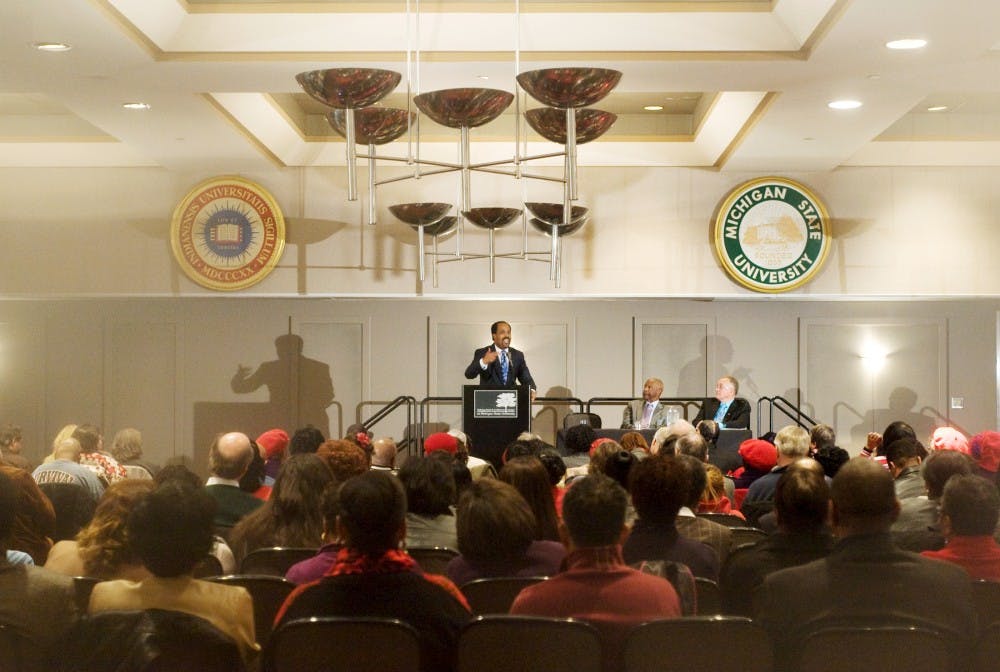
(385, 411)
(788, 408)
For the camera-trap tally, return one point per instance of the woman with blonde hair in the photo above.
(101, 548)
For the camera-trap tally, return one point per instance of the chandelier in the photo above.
(566, 120)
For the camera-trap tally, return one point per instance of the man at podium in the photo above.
(499, 365)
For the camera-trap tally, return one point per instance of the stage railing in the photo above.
(408, 442)
(790, 410)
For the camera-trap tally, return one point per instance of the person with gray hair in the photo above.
(866, 578)
(730, 411)
(792, 443)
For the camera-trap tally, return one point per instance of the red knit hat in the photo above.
(759, 454)
(949, 438)
(274, 442)
(440, 441)
(985, 449)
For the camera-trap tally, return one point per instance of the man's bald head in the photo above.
(384, 452)
(68, 449)
(864, 499)
(230, 455)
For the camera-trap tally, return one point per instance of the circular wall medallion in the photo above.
(771, 234)
(228, 233)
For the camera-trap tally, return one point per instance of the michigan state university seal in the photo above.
(771, 234)
(228, 233)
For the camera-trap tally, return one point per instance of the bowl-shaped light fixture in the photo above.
(344, 88)
(417, 214)
(569, 87)
(550, 123)
(372, 125)
(463, 108)
(492, 218)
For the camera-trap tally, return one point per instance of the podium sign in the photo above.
(493, 417)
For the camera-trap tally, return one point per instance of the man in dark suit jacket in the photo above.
(228, 459)
(866, 579)
(488, 363)
(737, 410)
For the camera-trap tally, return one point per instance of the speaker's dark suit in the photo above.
(737, 415)
(517, 372)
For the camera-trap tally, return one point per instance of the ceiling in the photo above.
(744, 84)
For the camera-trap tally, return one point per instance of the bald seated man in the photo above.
(65, 467)
(866, 578)
(384, 454)
(228, 459)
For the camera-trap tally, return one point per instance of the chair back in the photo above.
(986, 598)
(903, 647)
(268, 594)
(495, 595)
(709, 596)
(726, 519)
(12, 646)
(274, 561)
(572, 419)
(987, 651)
(208, 566)
(343, 644)
(697, 644)
(528, 644)
(746, 535)
(83, 586)
(432, 559)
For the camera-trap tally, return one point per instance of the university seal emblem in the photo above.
(228, 233)
(771, 234)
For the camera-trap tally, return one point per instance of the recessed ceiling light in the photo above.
(653, 108)
(907, 43)
(136, 106)
(51, 46)
(844, 104)
(937, 108)
(482, 76)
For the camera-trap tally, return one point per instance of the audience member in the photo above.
(578, 439)
(595, 583)
(65, 467)
(985, 450)
(635, 443)
(949, 438)
(73, 505)
(478, 467)
(714, 498)
(384, 454)
(801, 505)
(306, 439)
(171, 531)
(36, 604)
(866, 579)
(709, 430)
(316, 567)
(346, 459)
(917, 528)
(10, 448)
(292, 515)
(101, 549)
(904, 456)
(497, 536)
(362, 438)
(791, 444)
(759, 457)
(94, 457)
(275, 445)
(430, 493)
(530, 478)
(725, 408)
(556, 468)
(659, 489)
(252, 480)
(180, 474)
(875, 442)
(34, 519)
(126, 448)
(718, 536)
(228, 459)
(372, 577)
(821, 437)
(440, 441)
(970, 508)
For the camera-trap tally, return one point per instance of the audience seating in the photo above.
(495, 595)
(147, 641)
(746, 535)
(344, 645)
(698, 644)
(899, 647)
(268, 593)
(726, 519)
(986, 598)
(274, 561)
(12, 645)
(573, 419)
(207, 566)
(83, 586)
(432, 559)
(987, 653)
(709, 596)
(528, 644)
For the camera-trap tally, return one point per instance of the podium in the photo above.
(492, 417)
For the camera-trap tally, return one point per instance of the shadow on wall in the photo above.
(299, 389)
(695, 380)
(902, 402)
(548, 419)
